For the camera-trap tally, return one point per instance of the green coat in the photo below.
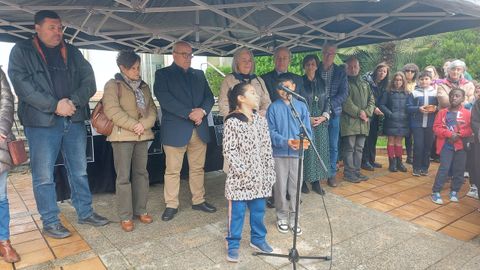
(359, 98)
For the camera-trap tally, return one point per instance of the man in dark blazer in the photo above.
(185, 99)
(281, 57)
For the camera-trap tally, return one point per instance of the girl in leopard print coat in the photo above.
(248, 152)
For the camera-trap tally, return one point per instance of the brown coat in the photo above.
(122, 110)
(6, 122)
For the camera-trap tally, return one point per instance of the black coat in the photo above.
(394, 105)
(31, 80)
(271, 78)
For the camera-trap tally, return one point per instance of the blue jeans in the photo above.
(333, 135)
(450, 161)
(45, 143)
(236, 215)
(4, 211)
(422, 144)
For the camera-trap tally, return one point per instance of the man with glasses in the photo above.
(281, 57)
(185, 99)
(336, 83)
(54, 83)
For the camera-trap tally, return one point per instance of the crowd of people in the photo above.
(340, 109)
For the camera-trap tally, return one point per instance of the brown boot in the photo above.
(8, 253)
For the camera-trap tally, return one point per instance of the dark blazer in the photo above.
(177, 99)
(271, 78)
(316, 95)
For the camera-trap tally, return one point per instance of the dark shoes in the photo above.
(409, 160)
(205, 207)
(400, 165)
(376, 165)
(392, 165)
(8, 253)
(94, 220)
(367, 166)
(331, 181)
(317, 188)
(56, 231)
(169, 213)
(416, 172)
(361, 177)
(305, 188)
(353, 179)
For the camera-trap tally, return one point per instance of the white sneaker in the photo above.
(299, 229)
(466, 175)
(473, 192)
(282, 226)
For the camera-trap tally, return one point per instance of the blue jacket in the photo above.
(338, 89)
(177, 99)
(421, 97)
(283, 126)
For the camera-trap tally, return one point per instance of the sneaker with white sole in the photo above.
(473, 192)
(453, 196)
(262, 247)
(232, 255)
(299, 229)
(282, 226)
(436, 198)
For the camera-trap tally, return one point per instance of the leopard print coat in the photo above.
(248, 151)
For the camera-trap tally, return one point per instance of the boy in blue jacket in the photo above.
(283, 129)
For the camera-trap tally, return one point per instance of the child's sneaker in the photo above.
(282, 226)
(262, 247)
(473, 192)
(232, 255)
(453, 196)
(436, 198)
(424, 172)
(416, 172)
(299, 229)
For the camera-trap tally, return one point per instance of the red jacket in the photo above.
(443, 133)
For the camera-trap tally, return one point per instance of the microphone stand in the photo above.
(293, 255)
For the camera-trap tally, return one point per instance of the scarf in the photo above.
(139, 97)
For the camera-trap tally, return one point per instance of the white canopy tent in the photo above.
(217, 27)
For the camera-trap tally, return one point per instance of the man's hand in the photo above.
(138, 129)
(65, 107)
(196, 115)
(422, 109)
(377, 111)
(363, 116)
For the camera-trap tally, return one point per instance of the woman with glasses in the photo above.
(128, 103)
(411, 73)
(243, 70)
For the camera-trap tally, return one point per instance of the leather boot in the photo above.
(8, 253)
(392, 165)
(400, 165)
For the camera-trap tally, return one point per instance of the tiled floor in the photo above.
(33, 247)
(408, 197)
(397, 194)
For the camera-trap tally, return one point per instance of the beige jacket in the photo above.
(230, 81)
(443, 90)
(122, 110)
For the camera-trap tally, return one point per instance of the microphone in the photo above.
(291, 92)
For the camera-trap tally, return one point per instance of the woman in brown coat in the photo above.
(128, 103)
(6, 121)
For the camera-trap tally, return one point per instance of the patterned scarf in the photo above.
(139, 97)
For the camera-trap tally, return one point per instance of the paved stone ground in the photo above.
(363, 238)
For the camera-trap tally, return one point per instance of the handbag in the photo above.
(99, 120)
(17, 151)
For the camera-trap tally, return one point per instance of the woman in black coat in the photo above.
(394, 106)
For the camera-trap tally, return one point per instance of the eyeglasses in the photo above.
(410, 70)
(184, 54)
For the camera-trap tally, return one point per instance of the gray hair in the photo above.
(329, 44)
(178, 43)
(277, 50)
(236, 57)
(457, 63)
